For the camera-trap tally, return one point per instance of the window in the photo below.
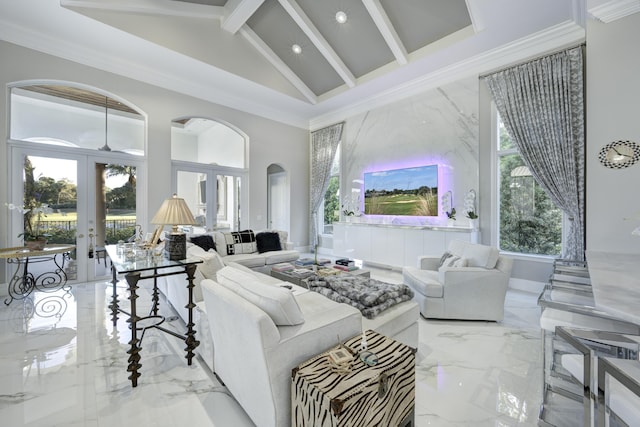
(529, 222)
(331, 203)
(74, 117)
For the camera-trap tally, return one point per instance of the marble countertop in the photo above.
(615, 278)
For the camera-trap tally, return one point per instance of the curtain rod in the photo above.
(534, 58)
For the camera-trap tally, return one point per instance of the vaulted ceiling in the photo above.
(291, 60)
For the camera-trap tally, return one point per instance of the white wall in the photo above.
(439, 126)
(270, 142)
(613, 113)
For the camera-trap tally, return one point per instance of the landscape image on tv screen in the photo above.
(409, 191)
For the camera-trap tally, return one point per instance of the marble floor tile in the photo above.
(63, 363)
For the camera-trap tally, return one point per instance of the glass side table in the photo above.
(618, 391)
(134, 270)
(588, 347)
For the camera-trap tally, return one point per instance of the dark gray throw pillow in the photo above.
(268, 241)
(205, 241)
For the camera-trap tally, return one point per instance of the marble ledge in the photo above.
(448, 228)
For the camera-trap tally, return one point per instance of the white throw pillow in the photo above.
(237, 276)
(212, 262)
(278, 302)
(480, 255)
(460, 262)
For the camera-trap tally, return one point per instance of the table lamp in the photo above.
(174, 212)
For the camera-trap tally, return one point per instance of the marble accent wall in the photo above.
(439, 126)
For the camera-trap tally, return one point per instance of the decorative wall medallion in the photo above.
(619, 154)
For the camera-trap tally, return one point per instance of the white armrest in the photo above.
(428, 262)
(476, 277)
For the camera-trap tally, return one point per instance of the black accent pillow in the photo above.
(205, 241)
(268, 241)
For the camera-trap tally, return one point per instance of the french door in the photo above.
(216, 195)
(70, 197)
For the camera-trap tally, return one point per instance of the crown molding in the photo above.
(563, 34)
(150, 7)
(614, 10)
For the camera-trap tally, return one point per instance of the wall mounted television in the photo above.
(408, 191)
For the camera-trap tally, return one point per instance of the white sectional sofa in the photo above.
(174, 287)
(263, 328)
(258, 250)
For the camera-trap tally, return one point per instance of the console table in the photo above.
(395, 245)
(149, 268)
(23, 282)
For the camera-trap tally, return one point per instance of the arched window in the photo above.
(75, 117)
(200, 140)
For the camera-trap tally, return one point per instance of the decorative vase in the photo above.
(451, 222)
(36, 245)
(473, 223)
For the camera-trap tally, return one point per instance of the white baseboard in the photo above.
(526, 285)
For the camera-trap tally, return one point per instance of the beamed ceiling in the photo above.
(240, 53)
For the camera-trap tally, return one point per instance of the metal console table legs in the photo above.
(134, 271)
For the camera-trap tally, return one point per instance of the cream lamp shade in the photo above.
(173, 212)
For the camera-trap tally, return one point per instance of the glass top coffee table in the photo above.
(298, 277)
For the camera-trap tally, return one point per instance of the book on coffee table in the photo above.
(283, 266)
(345, 268)
(300, 272)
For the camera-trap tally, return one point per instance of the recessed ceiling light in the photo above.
(296, 49)
(341, 17)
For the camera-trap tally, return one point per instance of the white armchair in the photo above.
(469, 284)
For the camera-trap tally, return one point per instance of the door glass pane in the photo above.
(119, 209)
(228, 202)
(192, 187)
(50, 206)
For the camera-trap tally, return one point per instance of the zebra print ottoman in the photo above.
(380, 395)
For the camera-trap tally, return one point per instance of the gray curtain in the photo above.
(542, 106)
(323, 149)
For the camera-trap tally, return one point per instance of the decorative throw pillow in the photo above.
(268, 241)
(240, 242)
(205, 241)
(211, 263)
(450, 261)
(443, 258)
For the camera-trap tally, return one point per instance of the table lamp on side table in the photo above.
(174, 212)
